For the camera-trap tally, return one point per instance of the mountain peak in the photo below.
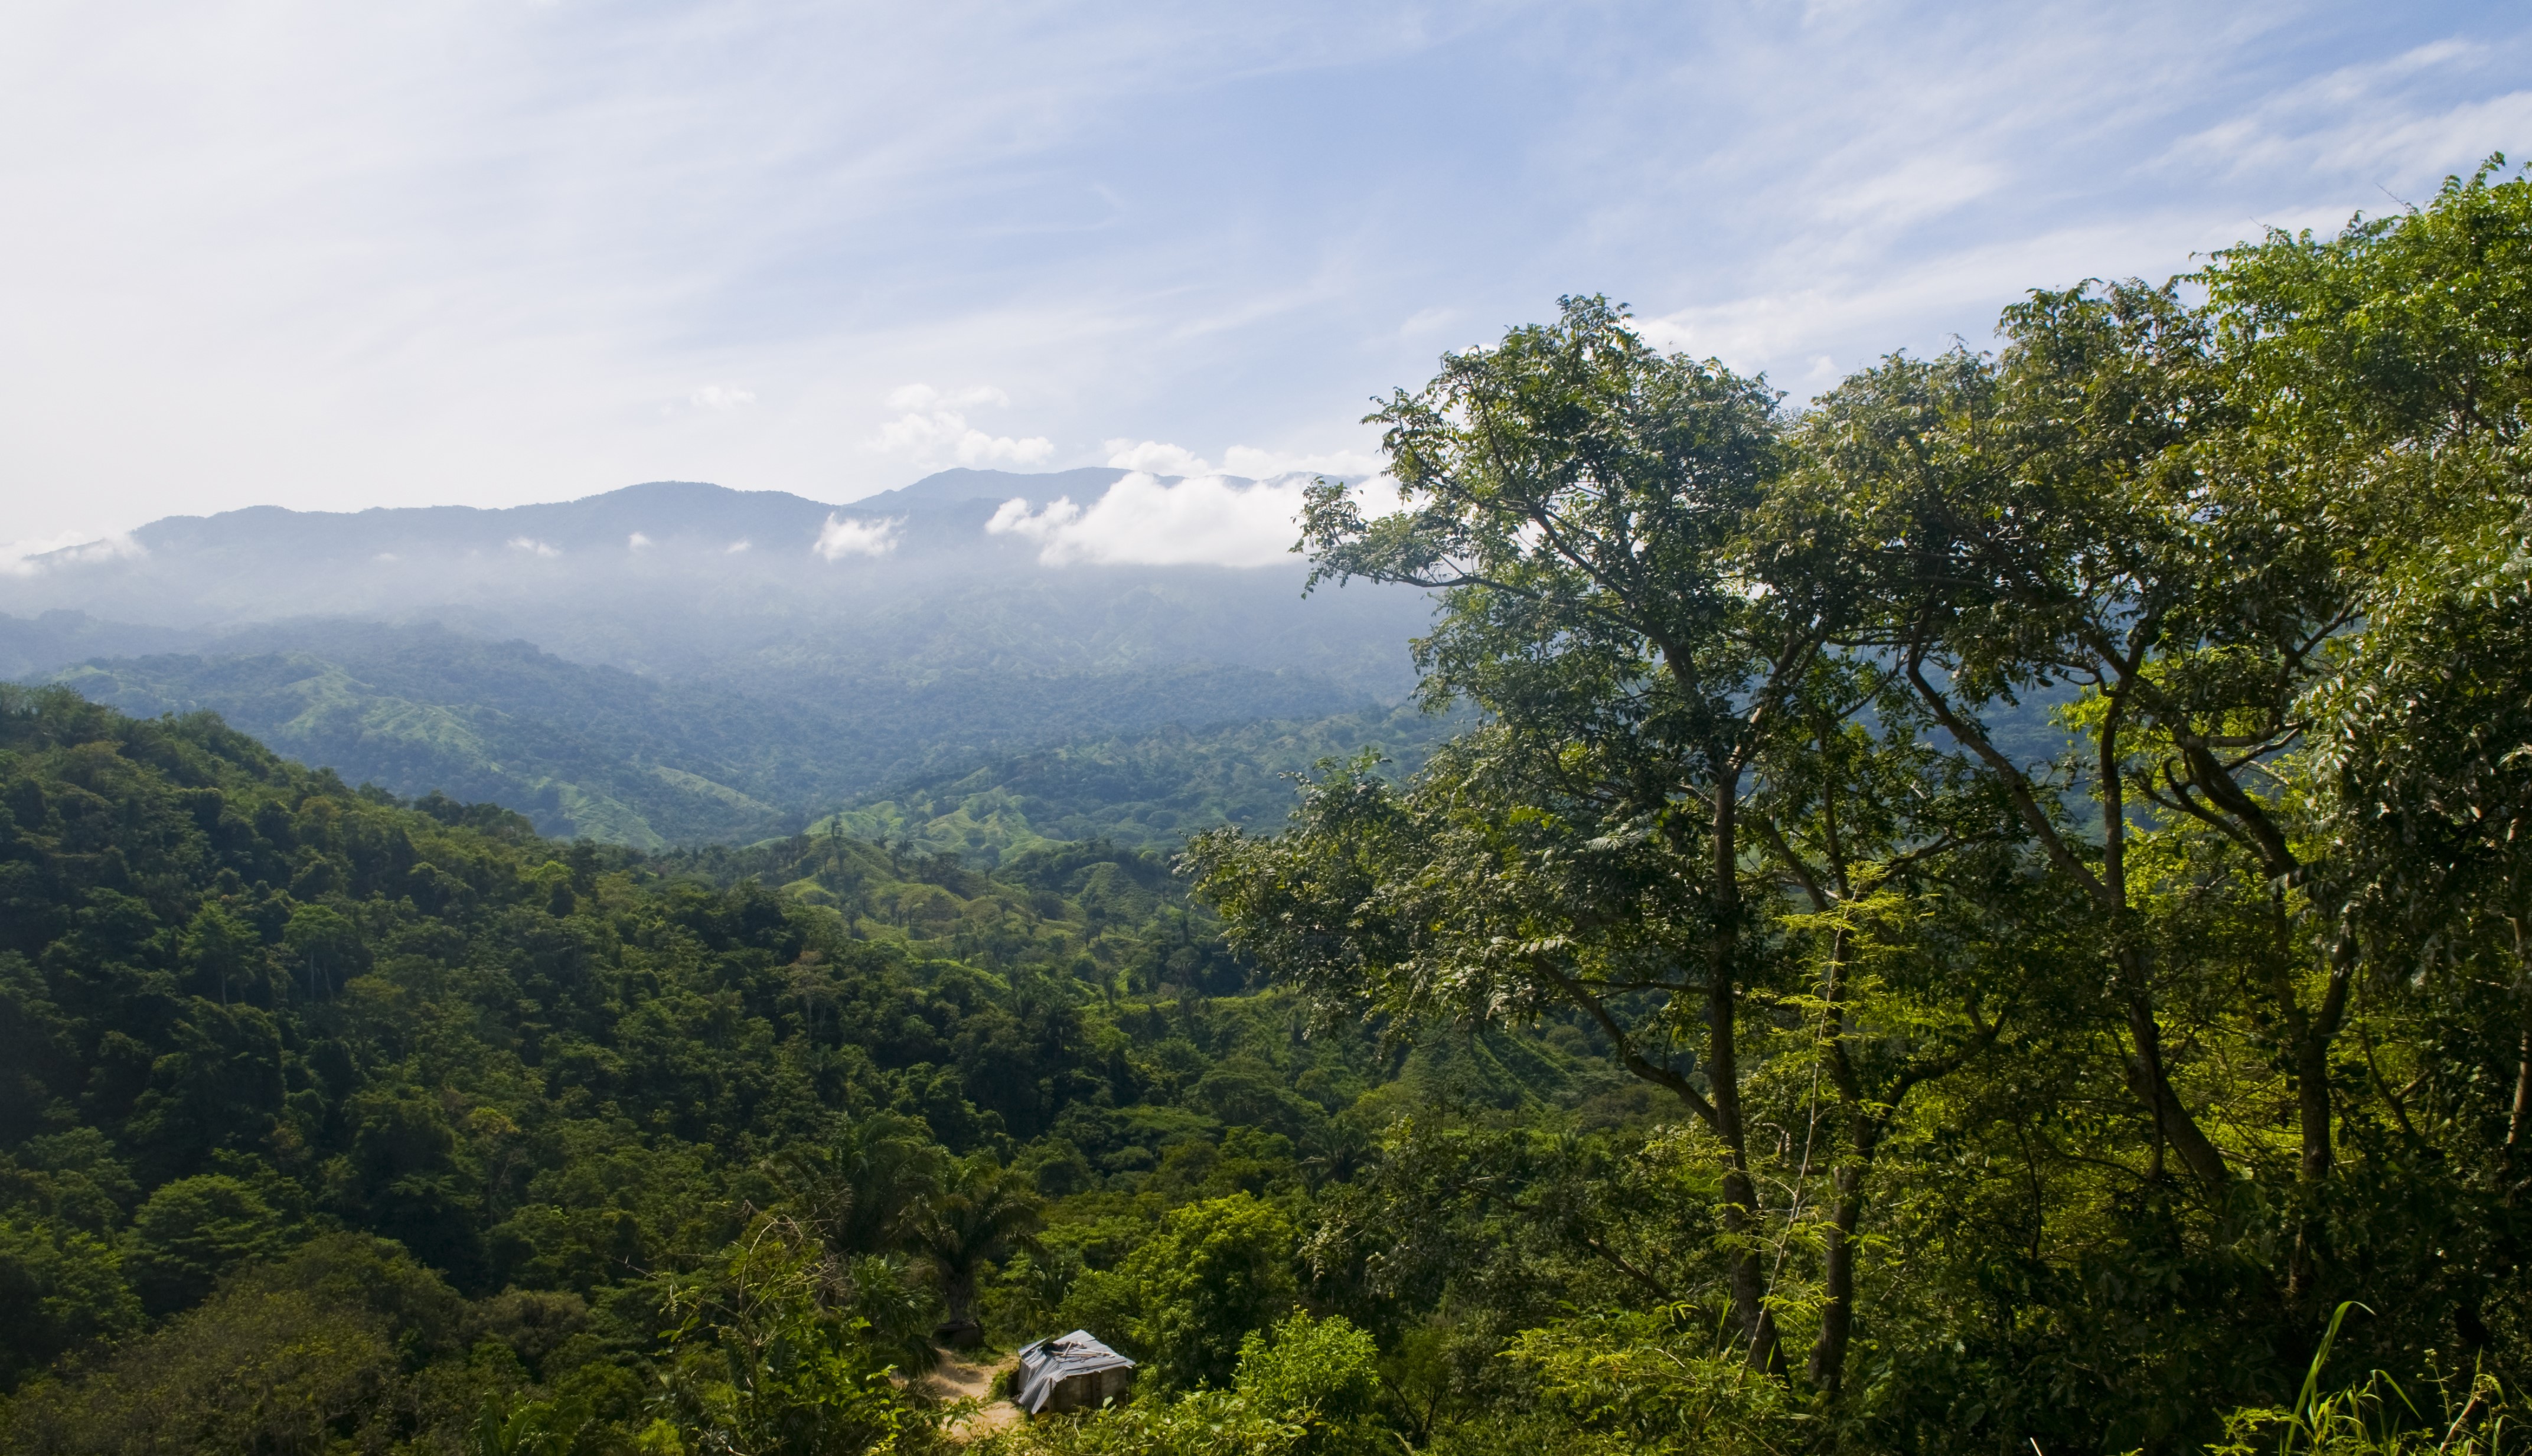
(960, 485)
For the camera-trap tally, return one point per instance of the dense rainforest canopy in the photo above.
(1749, 1031)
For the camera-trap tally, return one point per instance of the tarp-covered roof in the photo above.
(1049, 1361)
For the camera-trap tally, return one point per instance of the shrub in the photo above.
(1215, 1271)
(768, 1358)
(1303, 1390)
(2377, 1416)
(1321, 1375)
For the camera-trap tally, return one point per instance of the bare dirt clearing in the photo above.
(958, 1379)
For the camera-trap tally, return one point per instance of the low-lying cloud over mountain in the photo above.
(262, 561)
(830, 645)
(1144, 520)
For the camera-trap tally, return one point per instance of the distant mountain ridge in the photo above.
(661, 511)
(687, 579)
(958, 487)
(675, 661)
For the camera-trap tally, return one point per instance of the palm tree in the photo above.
(986, 1210)
(861, 1191)
(1334, 1151)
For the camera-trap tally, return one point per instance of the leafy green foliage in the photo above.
(977, 1215)
(559, 1091)
(191, 1231)
(766, 1356)
(1322, 1375)
(65, 1289)
(2058, 1101)
(1213, 1272)
(1645, 1384)
(290, 1357)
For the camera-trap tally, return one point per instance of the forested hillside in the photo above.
(594, 751)
(395, 1110)
(1146, 790)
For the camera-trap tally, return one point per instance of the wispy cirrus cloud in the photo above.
(486, 252)
(2405, 120)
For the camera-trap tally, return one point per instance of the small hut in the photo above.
(1071, 1372)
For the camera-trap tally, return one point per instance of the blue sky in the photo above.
(488, 252)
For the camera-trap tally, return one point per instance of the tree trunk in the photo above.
(2312, 1095)
(2311, 1034)
(1740, 1211)
(2518, 1126)
(2522, 1113)
(2147, 1079)
(1863, 1135)
(1837, 1313)
(2109, 892)
(1748, 1278)
(961, 1330)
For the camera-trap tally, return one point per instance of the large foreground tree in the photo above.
(1646, 618)
(2100, 755)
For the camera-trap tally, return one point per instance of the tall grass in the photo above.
(2377, 1416)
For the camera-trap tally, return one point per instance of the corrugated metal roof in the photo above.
(1049, 1362)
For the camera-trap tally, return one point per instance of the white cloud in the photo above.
(844, 535)
(735, 546)
(1141, 521)
(932, 431)
(721, 397)
(975, 448)
(34, 556)
(1015, 515)
(637, 541)
(532, 547)
(1153, 456)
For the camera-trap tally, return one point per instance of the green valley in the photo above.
(597, 752)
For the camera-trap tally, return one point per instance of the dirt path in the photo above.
(960, 1379)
